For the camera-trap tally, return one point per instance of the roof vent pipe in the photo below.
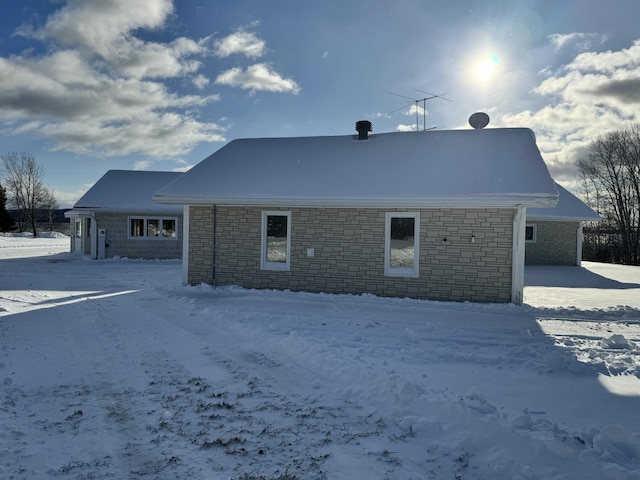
(363, 127)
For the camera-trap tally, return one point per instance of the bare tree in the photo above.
(23, 179)
(611, 173)
(48, 206)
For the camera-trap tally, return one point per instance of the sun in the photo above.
(486, 68)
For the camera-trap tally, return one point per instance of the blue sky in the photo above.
(92, 85)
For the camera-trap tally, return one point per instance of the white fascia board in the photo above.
(377, 202)
(562, 219)
(160, 209)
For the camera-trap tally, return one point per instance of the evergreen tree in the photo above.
(6, 222)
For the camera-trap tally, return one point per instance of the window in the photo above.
(153, 227)
(276, 240)
(402, 238)
(78, 225)
(530, 233)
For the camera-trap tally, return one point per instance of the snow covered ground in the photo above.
(114, 370)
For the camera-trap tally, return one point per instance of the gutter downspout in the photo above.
(185, 245)
(517, 260)
(579, 244)
(94, 236)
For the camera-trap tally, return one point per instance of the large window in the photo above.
(276, 240)
(402, 238)
(153, 227)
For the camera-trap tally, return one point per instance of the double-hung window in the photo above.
(163, 228)
(401, 244)
(276, 240)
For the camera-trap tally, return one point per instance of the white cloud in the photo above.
(595, 93)
(99, 89)
(240, 42)
(256, 77)
(200, 81)
(142, 165)
(581, 41)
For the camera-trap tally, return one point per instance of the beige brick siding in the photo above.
(201, 246)
(556, 244)
(349, 252)
(119, 245)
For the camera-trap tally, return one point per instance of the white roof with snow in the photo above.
(491, 167)
(569, 208)
(128, 191)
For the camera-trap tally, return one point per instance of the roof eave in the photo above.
(139, 210)
(477, 201)
(541, 218)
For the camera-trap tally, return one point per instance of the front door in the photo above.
(77, 235)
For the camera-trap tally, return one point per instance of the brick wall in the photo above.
(349, 252)
(119, 245)
(201, 245)
(556, 244)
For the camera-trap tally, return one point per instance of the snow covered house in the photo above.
(433, 215)
(553, 236)
(118, 218)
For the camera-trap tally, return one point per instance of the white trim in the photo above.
(477, 201)
(264, 263)
(185, 244)
(390, 271)
(517, 257)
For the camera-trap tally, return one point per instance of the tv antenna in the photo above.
(416, 102)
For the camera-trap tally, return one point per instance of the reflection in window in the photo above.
(168, 228)
(276, 240)
(137, 227)
(401, 244)
(153, 227)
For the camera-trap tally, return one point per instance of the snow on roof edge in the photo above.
(476, 201)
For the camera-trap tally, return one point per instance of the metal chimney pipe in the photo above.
(363, 127)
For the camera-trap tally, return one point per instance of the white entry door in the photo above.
(77, 235)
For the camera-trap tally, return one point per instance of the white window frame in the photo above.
(145, 219)
(265, 264)
(534, 238)
(390, 271)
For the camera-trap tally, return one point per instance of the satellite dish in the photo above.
(479, 120)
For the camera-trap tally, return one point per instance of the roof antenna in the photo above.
(416, 101)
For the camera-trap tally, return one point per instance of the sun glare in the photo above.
(487, 67)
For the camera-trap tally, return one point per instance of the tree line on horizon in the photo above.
(610, 177)
(22, 187)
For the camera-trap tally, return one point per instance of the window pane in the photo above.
(402, 244)
(153, 227)
(137, 227)
(277, 238)
(78, 228)
(168, 228)
(528, 233)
